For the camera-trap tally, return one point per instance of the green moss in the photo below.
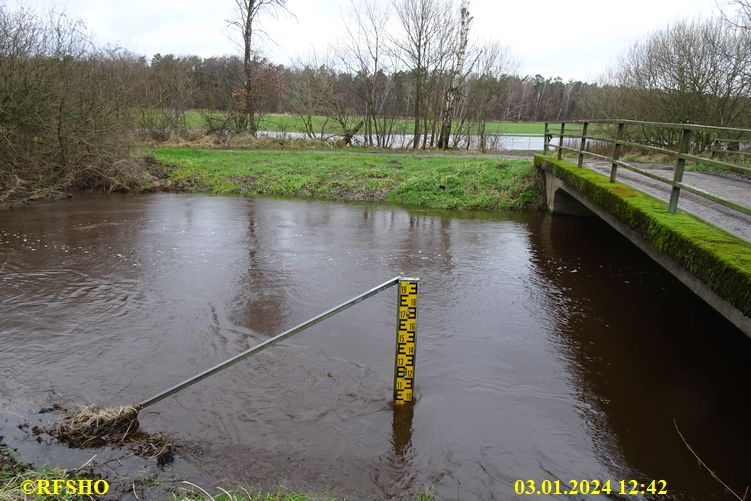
(721, 260)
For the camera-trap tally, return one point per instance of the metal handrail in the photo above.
(664, 125)
(681, 155)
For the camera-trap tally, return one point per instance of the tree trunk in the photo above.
(456, 77)
(418, 102)
(249, 111)
(350, 133)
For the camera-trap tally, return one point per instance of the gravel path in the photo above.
(730, 187)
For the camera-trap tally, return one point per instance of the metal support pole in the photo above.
(560, 140)
(583, 144)
(546, 146)
(406, 328)
(272, 341)
(680, 164)
(616, 152)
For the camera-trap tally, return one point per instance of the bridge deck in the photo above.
(728, 186)
(715, 264)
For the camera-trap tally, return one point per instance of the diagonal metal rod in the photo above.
(269, 342)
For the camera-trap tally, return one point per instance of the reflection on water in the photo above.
(401, 436)
(645, 356)
(550, 348)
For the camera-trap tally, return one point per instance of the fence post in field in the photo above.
(560, 140)
(547, 144)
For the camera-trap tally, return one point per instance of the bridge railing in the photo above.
(720, 148)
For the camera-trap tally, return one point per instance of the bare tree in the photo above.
(487, 93)
(321, 89)
(247, 18)
(423, 47)
(742, 16)
(65, 118)
(689, 72)
(456, 77)
(304, 91)
(168, 91)
(217, 79)
(366, 54)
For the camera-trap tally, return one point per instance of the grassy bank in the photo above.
(14, 473)
(429, 181)
(291, 123)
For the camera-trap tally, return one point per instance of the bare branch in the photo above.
(711, 472)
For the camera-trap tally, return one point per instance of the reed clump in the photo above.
(94, 426)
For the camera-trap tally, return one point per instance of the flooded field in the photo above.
(548, 348)
(493, 142)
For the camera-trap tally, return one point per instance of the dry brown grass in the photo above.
(202, 140)
(93, 426)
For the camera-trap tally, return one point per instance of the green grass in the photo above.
(13, 473)
(199, 494)
(516, 127)
(194, 119)
(429, 181)
(292, 123)
(716, 169)
(721, 260)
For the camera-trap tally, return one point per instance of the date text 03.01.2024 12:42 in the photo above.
(575, 487)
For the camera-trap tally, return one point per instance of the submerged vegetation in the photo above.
(435, 182)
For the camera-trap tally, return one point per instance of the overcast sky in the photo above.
(574, 40)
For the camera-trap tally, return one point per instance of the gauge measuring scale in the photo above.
(406, 342)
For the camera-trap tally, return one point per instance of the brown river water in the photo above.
(547, 348)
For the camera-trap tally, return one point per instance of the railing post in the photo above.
(547, 143)
(680, 164)
(583, 144)
(406, 328)
(560, 140)
(616, 152)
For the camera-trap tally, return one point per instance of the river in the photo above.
(547, 347)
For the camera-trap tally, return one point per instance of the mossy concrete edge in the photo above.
(715, 257)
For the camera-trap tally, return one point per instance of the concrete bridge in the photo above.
(714, 262)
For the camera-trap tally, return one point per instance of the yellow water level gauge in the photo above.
(406, 327)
